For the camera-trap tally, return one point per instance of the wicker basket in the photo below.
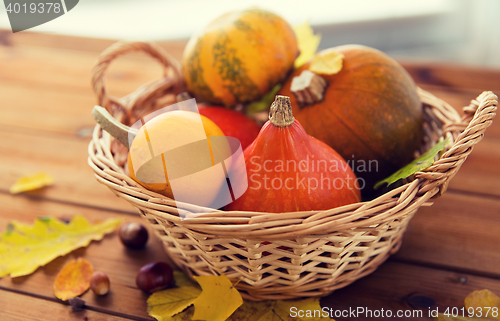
(288, 255)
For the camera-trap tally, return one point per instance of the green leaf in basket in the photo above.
(424, 161)
(264, 103)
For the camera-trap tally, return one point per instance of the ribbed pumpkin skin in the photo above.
(175, 126)
(370, 112)
(239, 57)
(292, 144)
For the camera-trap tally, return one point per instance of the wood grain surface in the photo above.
(450, 248)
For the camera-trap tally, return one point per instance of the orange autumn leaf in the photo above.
(73, 279)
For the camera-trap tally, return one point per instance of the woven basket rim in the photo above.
(477, 117)
(481, 110)
(311, 253)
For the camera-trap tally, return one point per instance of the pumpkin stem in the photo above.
(308, 88)
(121, 132)
(280, 114)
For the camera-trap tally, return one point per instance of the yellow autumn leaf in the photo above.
(484, 303)
(23, 248)
(182, 279)
(307, 41)
(162, 305)
(186, 315)
(327, 63)
(73, 279)
(31, 182)
(290, 310)
(218, 300)
(442, 317)
(252, 311)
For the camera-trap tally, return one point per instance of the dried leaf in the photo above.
(483, 302)
(31, 182)
(421, 163)
(307, 41)
(218, 300)
(24, 248)
(442, 317)
(326, 63)
(162, 305)
(290, 310)
(73, 279)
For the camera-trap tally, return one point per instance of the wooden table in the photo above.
(449, 249)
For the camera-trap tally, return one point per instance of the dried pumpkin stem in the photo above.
(280, 113)
(121, 132)
(308, 88)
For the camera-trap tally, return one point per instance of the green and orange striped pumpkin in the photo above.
(239, 57)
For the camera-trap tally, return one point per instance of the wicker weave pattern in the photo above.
(289, 255)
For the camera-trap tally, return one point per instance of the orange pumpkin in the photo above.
(370, 113)
(290, 171)
(239, 57)
(166, 132)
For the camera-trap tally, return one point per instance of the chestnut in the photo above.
(99, 283)
(133, 235)
(154, 276)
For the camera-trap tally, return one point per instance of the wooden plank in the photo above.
(50, 89)
(429, 73)
(480, 173)
(454, 76)
(392, 285)
(62, 157)
(459, 231)
(107, 255)
(84, 44)
(40, 109)
(59, 69)
(9, 39)
(461, 98)
(65, 158)
(386, 288)
(55, 73)
(21, 307)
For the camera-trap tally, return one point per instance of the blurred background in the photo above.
(455, 31)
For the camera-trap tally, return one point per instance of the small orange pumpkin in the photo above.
(166, 132)
(290, 171)
(239, 57)
(370, 113)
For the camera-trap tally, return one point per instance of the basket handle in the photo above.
(477, 117)
(171, 72)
